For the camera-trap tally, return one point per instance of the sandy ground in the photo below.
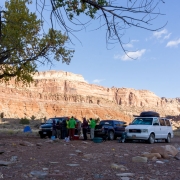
(30, 157)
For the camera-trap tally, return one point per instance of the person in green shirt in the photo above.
(67, 127)
(92, 126)
(72, 124)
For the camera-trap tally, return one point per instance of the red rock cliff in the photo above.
(64, 94)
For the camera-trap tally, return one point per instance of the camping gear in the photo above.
(97, 140)
(27, 129)
(53, 137)
(76, 137)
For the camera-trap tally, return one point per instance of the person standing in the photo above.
(67, 127)
(92, 126)
(58, 130)
(84, 128)
(64, 130)
(72, 124)
(54, 128)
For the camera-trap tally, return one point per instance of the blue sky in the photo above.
(158, 56)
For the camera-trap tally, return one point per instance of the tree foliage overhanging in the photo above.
(115, 15)
(23, 44)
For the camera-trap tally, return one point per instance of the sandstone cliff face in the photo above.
(66, 94)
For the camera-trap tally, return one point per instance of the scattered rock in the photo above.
(39, 144)
(125, 174)
(5, 163)
(125, 178)
(160, 162)
(1, 152)
(177, 158)
(98, 176)
(72, 154)
(45, 169)
(72, 165)
(89, 156)
(116, 166)
(78, 151)
(13, 158)
(54, 162)
(49, 141)
(152, 155)
(84, 142)
(25, 143)
(139, 159)
(39, 174)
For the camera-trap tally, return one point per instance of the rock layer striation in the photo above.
(59, 93)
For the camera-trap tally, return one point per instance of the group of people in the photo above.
(71, 126)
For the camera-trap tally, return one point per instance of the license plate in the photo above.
(44, 133)
(133, 136)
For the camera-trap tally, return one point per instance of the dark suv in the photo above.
(111, 128)
(46, 128)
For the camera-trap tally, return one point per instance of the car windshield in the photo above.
(142, 121)
(106, 123)
(49, 121)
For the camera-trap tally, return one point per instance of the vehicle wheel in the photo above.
(111, 135)
(42, 136)
(168, 140)
(151, 139)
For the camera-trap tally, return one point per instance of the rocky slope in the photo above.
(64, 94)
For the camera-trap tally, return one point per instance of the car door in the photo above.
(168, 126)
(163, 128)
(156, 128)
(116, 128)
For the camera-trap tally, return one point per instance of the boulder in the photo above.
(139, 159)
(171, 150)
(161, 150)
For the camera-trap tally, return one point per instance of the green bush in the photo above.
(24, 121)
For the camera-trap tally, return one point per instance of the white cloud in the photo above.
(130, 44)
(167, 36)
(173, 43)
(159, 34)
(131, 55)
(98, 80)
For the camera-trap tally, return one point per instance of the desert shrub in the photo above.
(24, 121)
(2, 115)
(33, 117)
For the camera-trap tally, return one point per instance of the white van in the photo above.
(147, 127)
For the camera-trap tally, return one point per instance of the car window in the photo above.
(116, 123)
(142, 121)
(156, 122)
(106, 123)
(49, 121)
(167, 122)
(162, 122)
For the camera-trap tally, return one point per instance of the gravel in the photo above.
(35, 158)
